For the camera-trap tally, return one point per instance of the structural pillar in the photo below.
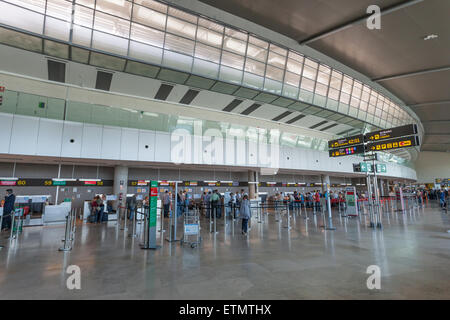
(252, 184)
(327, 186)
(120, 185)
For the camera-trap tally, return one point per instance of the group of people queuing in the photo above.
(310, 199)
(97, 207)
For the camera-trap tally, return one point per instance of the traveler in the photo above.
(94, 210)
(166, 203)
(131, 203)
(215, 203)
(442, 200)
(245, 214)
(204, 202)
(8, 209)
(208, 204)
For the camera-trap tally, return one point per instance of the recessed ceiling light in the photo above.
(430, 37)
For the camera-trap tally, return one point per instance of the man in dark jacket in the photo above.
(8, 207)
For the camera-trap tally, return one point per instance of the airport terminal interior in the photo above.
(224, 149)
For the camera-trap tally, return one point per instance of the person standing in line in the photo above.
(245, 214)
(8, 209)
(132, 206)
(166, 203)
(215, 203)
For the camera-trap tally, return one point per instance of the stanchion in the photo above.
(67, 246)
(133, 229)
(13, 231)
(288, 217)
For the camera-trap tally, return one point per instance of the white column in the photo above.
(120, 184)
(252, 187)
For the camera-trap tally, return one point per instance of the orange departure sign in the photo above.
(346, 142)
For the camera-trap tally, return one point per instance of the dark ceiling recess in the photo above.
(296, 118)
(163, 92)
(318, 124)
(103, 81)
(329, 127)
(281, 116)
(56, 71)
(189, 96)
(233, 104)
(250, 109)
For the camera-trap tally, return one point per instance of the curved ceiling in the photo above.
(396, 56)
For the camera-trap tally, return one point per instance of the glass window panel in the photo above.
(147, 35)
(205, 68)
(311, 63)
(345, 98)
(258, 42)
(180, 27)
(333, 94)
(346, 87)
(336, 74)
(292, 79)
(309, 72)
(253, 80)
(21, 18)
(373, 98)
(149, 17)
(377, 113)
(59, 9)
(278, 50)
(354, 102)
(365, 96)
(356, 91)
(81, 36)
(109, 43)
(295, 56)
(145, 53)
(83, 16)
(179, 44)
(35, 5)
(87, 3)
(230, 74)
(158, 6)
(276, 60)
(371, 109)
(256, 52)
(182, 15)
(321, 89)
(209, 37)
(294, 66)
(325, 69)
(178, 61)
(323, 78)
(236, 34)
(272, 86)
(120, 8)
(57, 29)
(110, 24)
(363, 105)
(307, 84)
(208, 24)
(207, 53)
(274, 73)
(255, 67)
(335, 83)
(234, 45)
(347, 79)
(232, 60)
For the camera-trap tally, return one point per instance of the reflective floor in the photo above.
(273, 262)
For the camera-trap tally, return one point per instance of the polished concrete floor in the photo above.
(273, 262)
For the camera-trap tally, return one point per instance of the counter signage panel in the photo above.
(390, 144)
(346, 142)
(346, 151)
(391, 133)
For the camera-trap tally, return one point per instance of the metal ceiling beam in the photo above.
(356, 21)
(429, 103)
(411, 74)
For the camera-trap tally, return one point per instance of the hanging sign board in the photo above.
(409, 129)
(346, 151)
(390, 144)
(346, 142)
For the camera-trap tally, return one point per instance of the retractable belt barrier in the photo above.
(69, 234)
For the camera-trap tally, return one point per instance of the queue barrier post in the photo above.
(67, 246)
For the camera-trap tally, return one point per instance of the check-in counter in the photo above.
(87, 212)
(56, 214)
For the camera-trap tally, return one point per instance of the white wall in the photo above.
(432, 165)
(33, 136)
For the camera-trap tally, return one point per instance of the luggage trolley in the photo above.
(191, 228)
